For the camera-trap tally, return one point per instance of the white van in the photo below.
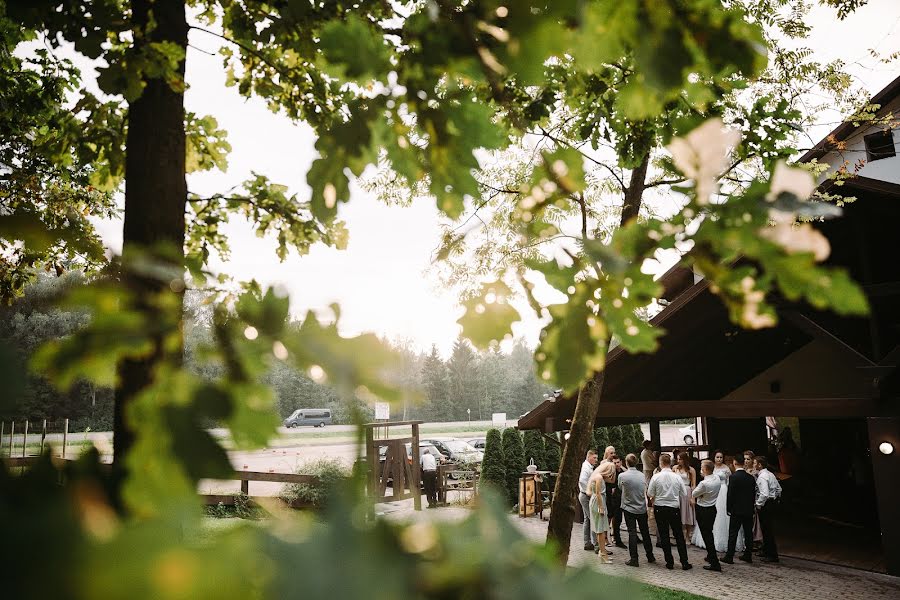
(317, 417)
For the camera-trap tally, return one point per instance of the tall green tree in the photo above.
(436, 386)
(493, 471)
(462, 376)
(533, 446)
(513, 462)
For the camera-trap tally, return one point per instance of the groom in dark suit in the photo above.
(740, 505)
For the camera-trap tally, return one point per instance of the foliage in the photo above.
(331, 474)
(423, 88)
(492, 465)
(533, 446)
(553, 455)
(601, 439)
(242, 508)
(513, 463)
(616, 439)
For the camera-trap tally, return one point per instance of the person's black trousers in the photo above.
(633, 522)
(616, 523)
(706, 518)
(736, 523)
(767, 524)
(669, 518)
(429, 480)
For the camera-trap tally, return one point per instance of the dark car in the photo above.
(478, 443)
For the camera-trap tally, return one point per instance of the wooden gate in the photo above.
(400, 470)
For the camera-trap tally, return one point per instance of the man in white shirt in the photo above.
(665, 492)
(429, 478)
(648, 461)
(705, 495)
(768, 495)
(587, 468)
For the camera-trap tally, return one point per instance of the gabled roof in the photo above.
(846, 129)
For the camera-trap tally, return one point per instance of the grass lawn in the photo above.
(651, 592)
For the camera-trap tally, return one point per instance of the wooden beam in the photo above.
(781, 407)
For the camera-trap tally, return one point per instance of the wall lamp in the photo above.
(886, 448)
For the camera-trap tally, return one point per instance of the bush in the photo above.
(241, 509)
(513, 462)
(492, 471)
(331, 473)
(534, 448)
(601, 437)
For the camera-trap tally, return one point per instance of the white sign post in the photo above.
(499, 420)
(382, 411)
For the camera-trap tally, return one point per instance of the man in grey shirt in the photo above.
(632, 486)
(705, 495)
(587, 467)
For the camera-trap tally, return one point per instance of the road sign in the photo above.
(382, 411)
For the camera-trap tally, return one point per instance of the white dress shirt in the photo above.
(428, 462)
(647, 460)
(707, 491)
(666, 489)
(767, 487)
(586, 469)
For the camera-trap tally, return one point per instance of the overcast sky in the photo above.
(383, 281)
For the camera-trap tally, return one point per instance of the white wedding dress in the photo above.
(720, 526)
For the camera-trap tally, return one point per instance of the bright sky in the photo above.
(383, 281)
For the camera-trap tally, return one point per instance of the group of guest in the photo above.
(709, 513)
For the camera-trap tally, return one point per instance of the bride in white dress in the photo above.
(720, 526)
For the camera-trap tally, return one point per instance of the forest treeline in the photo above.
(467, 384)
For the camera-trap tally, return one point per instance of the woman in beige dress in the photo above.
(688, 481)
(599, 512)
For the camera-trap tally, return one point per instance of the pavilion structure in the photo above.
(833, 379)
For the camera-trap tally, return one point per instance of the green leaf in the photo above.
(489, 317)
(356, 48)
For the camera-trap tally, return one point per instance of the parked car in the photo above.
(317, 417)
(689, 434)
(478, 443)
(458, 450)
(424, 448)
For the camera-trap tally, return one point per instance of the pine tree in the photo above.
(436, 384)
(534, 449)
(616, 438)
(462, 374)
(601, 435)
(637, 439)
(492, 469)
(513, 462)
(552, 454)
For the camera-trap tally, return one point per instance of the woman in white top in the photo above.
(688, 480)
(721, 524)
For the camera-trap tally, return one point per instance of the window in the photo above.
(880, 145)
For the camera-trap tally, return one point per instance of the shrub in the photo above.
(534, 448)
(513, 461)
(331, 472)
(492, 471)
(615, 439)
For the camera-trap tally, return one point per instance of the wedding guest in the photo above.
(634, 508)
(720, 527)
(598, 509)
(587, 468)
(614, 501)
(705, 494)
(608, 453)
(688, 477)
(750, 467)
(665, 491)
(741, 499)
(768, 496)
(648, 461)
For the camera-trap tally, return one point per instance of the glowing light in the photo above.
(251, 333)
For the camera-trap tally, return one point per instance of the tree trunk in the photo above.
(565, 495)
(631, 207)
(155, 201)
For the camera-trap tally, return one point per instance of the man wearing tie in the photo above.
(740, 506)
(705, 494)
